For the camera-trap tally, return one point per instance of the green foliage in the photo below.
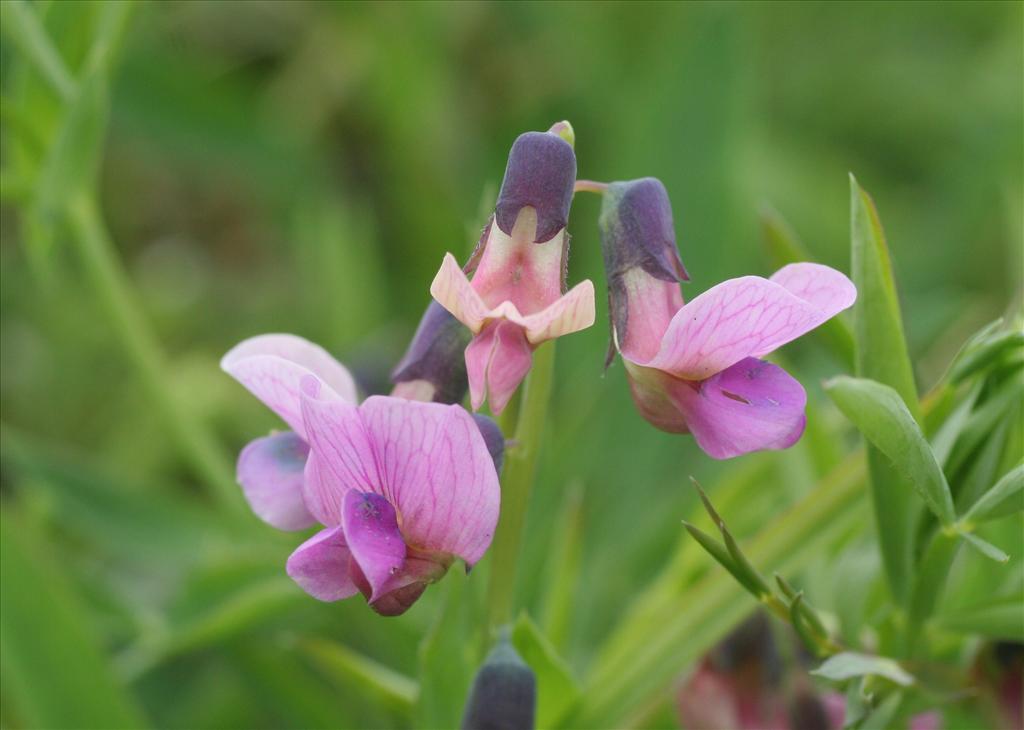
(178, 176)
(848, 665)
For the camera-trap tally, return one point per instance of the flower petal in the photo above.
(750, 406)
(824, 287)
(373, 537)
(272, 367)
(453, 291)
(570, 313)
(748, 317)
(341, 455)
(497, 360)
(270, 472)
(436, 471)
(321, 566)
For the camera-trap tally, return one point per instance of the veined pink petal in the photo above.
(748, 317)
(750, 406)
(272, 367)
(321, 566)
(497, 360)
(643, 307)
(341, 453)
(822, 286)
(374, 539)
(453, 291)
(436, 471)
(270, 472)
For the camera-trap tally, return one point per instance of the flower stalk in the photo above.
(516, 487)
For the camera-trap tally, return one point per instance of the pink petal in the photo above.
(270, 472)
(512, 268)
(569, 313)
(373, 537)
(824, 287)
(453, 291)
(341, 453)
(436, 471)
(749, 317)
(321, 566)
(272, 367)
(497, 360)
(642, 307)
(750, 406)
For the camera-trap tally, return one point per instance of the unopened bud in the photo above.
(434, 368)
(504, 692)
(541, 173)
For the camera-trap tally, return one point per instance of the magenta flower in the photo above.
(695, 368)
(403, 488)
(516, 299)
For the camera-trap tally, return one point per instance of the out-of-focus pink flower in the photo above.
(516, 299)
(403, 488)
(270, 468)
(695, 368)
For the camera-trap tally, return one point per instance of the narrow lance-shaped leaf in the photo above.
(996, 618)
(882, 416)
(881, 354)
(1005, 498)
(557, 690)
(848, 665)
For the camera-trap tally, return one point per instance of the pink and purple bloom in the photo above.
(517, 297)
(696, 368)
(402, 488)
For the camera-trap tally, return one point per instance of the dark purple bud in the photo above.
(640, 255)
(493, 437)
(807, 712)
(541, 173)
(636, 230)
(434, 366)
(504, 692)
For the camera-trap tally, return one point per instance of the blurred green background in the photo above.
(303, 167)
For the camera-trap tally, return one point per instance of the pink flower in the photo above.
(403, 488)
(516, 299)
(695, 368)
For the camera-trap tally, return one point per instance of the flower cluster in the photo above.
(405, 484)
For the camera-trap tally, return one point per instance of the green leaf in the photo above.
(1005, 498)
(985, 350)
(557, 690)
(986, 548)
(54, 671)
(447, 659)
(882, 416)
(563, 574)
(995, 618)
(881, 717)
(349, 667)
(848, 665)
(929, 582)
(881, 354)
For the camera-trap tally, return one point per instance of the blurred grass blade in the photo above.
(563, 574)
(1005, 498)
(557, 689)
(996, 618)
(22, 27)
(54, 672)
(784, 247)
(986, 548)
(848, 665)
(880, 414)
(447, 659)
(351, 668)
(881, 354)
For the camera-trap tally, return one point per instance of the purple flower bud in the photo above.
(541, 172)
(493, 437)
(640, 256)
(433, 367)
(504, 692)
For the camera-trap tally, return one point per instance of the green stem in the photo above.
(124, 316)
(516, 485)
